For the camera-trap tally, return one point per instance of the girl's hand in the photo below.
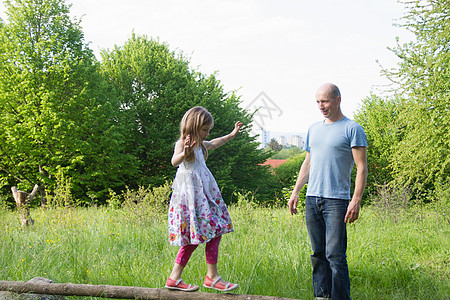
(237, 127)
(217, 142)
(183, 148)
(188, 145)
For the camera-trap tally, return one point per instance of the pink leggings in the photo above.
(211, 250)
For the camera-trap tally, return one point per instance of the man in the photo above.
(332, 146)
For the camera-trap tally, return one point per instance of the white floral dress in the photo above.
(197, 212)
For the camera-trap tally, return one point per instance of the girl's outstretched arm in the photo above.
(217, 142)
(182, 149)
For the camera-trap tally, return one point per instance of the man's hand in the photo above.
(352, 212)
(293, 201)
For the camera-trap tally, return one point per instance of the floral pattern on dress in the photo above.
(197, 211)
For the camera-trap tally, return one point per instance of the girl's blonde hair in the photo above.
(191, 123)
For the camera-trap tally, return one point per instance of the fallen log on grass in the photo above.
(43, 286)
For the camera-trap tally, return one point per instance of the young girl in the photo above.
(197, 212)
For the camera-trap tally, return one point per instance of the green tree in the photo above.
(378, 116)
(55, 115)
(422, 156)
(273, 145)
(156, 87)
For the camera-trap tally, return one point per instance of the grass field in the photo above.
(406, 257)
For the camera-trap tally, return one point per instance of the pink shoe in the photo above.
(216, 285)
(179, 285)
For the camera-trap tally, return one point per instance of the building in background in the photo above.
(293, 140)
(263, 137)
(296, 140)
(282, 140)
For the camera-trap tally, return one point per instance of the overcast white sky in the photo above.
(284, 48)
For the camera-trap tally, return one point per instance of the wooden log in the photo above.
(122, 292)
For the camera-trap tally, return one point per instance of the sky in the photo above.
(273, 53)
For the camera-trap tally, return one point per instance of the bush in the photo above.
(286, 153)
(146, 205)
(287, 173)
(442, 202)
(391, 201)
(61, 196)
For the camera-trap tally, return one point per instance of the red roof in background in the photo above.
(274, 162)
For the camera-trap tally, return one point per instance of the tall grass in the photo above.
(268, 254)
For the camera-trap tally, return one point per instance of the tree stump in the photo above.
(23, 199)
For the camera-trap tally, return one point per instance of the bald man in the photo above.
(333, 146)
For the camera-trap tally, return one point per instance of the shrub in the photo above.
(442, 202)
(287, 173)
(286, 153)
(391, 201)
(147, 204)
(61, 196)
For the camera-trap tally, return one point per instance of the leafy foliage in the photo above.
(408, 133)
(55, 115)
(378, 116)
(273, 145)
(156, 87)
(287, 173)
(423, 154)
(105, 127)
(287, 152)
(145, 205)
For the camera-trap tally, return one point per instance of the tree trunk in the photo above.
(42, 189)
(23, 199)
(122, 292)
(43, 196)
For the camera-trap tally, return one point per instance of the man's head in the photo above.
(328, 99)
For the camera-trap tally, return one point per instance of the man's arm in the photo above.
(360, 158)
(302, 178)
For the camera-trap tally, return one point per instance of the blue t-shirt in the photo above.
(331, 159)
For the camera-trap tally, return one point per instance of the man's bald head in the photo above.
(330, 89)
(328, 98)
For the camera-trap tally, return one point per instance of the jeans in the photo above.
(327, 232)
